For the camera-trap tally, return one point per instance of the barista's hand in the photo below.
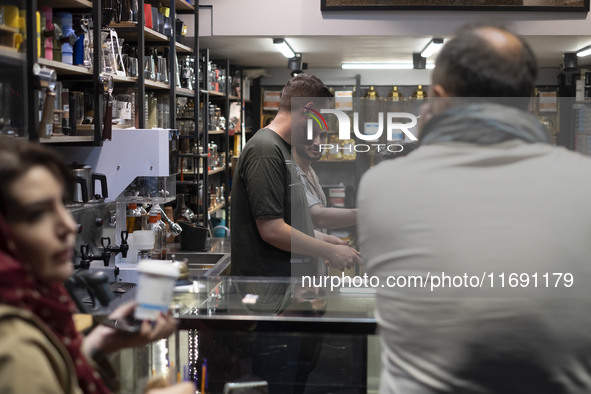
(342, 257)
(331, 239)
(105, 339)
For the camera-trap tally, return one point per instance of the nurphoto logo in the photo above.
(398, 125)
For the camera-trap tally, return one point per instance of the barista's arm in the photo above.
(281, 235)
(324, 217)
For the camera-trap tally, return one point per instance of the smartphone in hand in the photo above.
(129, 324)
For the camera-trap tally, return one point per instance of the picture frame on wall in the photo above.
(456, 5)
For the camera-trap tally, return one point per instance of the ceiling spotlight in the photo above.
(296, 65)
(282, 46)
(570, 61)
(584, 52)
(418, 62)
(432, 47)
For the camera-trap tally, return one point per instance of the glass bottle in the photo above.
(133, 218)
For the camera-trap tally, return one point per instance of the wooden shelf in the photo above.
(183, 48)
(185, 92)
(210, 132)
(66, 3)
(64, 69)
(182, 5)
(10, 53)
(120, 78)
(8, 29)
(216, 208)
(66, 139)
(128, 31)
(212, 93)
(153, 35)
(156, 85)
(216, 171)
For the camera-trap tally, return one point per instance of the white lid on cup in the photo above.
(143, 239)
(158, 267)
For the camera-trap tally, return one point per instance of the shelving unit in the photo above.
(80, 78)
(88, 78)
(203, 133)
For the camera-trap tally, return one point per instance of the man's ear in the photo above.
(439, 91)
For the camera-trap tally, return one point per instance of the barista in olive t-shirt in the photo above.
(266, 186)
(270, 216)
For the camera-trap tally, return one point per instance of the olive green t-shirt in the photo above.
(265, 186)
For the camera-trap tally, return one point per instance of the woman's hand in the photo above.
(106, 340)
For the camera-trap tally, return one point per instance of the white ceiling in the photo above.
(331, 51)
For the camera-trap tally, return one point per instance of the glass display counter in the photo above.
(299, 339)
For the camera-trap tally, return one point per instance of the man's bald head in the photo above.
(486, 61)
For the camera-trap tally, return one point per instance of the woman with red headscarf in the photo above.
(40, 349)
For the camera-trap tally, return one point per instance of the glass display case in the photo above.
(294, 336)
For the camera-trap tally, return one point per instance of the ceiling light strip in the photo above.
(282, 46)
(432, 47)
(381, 66)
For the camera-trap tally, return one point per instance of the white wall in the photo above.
(303, 18)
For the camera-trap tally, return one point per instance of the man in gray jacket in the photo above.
(484, 201)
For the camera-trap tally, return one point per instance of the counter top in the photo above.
(213, 245)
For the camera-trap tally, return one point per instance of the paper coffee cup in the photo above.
(155, 288)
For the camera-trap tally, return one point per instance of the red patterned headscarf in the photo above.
(51, 303)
